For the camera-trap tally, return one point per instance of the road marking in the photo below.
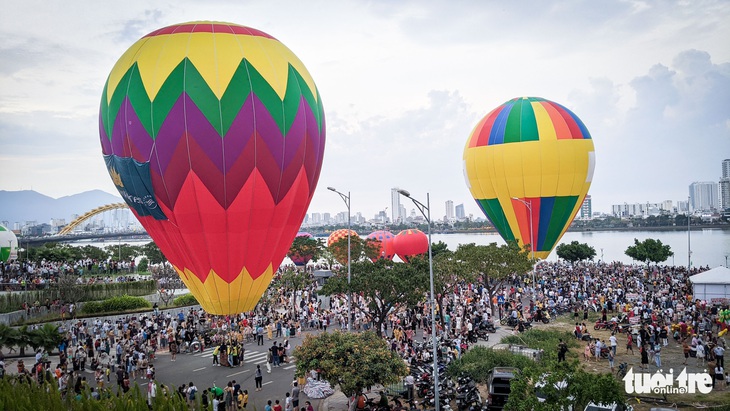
(290, 367)
(237, 373)
(198, 369)
(267, 383)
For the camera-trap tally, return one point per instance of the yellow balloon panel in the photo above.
(219, 297)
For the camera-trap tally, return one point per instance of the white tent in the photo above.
(712, 286)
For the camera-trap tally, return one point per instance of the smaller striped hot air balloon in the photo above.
(8, 244)
(386, 249)
(529, 164)
(410, 243)
(335, 236)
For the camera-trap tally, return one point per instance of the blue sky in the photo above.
(403, 84)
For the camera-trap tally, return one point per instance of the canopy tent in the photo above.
(712, 286)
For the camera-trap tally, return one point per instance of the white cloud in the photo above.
(403, 84)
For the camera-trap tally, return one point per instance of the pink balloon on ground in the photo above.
(385, 239)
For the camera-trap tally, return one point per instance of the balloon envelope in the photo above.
(8, 244)
(214, 135)
(385, 243)
(409, 243)
(529, 164)
(340, 255)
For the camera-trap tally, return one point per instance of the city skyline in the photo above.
(402, 86)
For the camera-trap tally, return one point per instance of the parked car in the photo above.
(498, 385)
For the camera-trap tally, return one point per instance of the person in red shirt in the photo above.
(277, 406)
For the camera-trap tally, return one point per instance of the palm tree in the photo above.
(6, 334)
(21, 338)
(47, 337)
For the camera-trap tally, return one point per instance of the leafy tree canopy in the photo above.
(359, 249)
(649, 251)
(305, 247)
(385, 285)
(575, 251)
(351, 360)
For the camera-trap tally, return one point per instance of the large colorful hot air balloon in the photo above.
(410, 243)
(214, 134)
(335, 236)
(529, 164)
(8, 244)
(386, 249)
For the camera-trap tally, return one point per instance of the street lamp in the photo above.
(346, 199)
(689, 236)
(532, 242)
(426, 211)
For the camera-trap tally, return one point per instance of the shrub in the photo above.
(22, 394)
(539, 339)
(187, 299)
(143, 264)
(477, 362)
(115, 304)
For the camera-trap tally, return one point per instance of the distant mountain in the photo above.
(28, 205)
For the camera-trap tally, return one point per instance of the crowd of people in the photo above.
(656, 302)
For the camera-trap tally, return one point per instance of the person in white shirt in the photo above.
(614, 343)
(151, 391)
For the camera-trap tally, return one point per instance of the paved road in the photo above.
(199, 369)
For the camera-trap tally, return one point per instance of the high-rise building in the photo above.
(725, 193)
(460, 212)
(703, 196)
(586, 209)
(725, 185)
(395, 206)
(449, 210)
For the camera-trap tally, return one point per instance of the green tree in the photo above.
(351, 360)
(439, 248)
(385, 285)
(47, 336)
(494, 264)
(305, 249)
(153, 253)
(649, 251)
(575, 251)
(359, 249)
(123, 252)
(294, 280)
(93, 252)
(69, 288)
(448, 271)
(562, 385)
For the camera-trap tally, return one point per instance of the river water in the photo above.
(710, 247)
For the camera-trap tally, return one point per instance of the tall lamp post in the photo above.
(426, 211)
(532, 242)
(689, 236)
(346, 199)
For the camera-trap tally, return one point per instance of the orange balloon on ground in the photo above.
(336, 236)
